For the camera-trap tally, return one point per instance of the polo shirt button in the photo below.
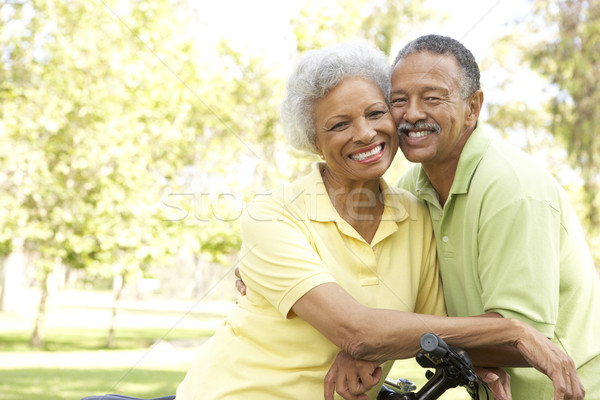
(445, 239)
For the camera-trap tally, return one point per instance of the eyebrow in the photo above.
(425, 89)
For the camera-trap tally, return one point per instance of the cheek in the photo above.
(396, 115)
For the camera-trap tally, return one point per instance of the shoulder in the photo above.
(277, 202)
(408, 181)
(509, 172)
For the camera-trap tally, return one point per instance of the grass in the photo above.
(89, 339)
(74, 363)
(57, 383)
(151, 355)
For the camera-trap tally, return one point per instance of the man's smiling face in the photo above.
(428, 108)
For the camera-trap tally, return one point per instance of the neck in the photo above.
(441, 178)
(441, 173)
(358, 203)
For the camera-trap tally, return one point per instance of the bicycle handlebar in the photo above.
(452, 366)
(433, 345)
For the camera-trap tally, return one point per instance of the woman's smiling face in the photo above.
(355, 131)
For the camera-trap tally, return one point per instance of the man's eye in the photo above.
(398, 102)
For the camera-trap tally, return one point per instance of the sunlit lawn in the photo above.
(54, 383)
(74, 363)
(72, 374)
(149, 359)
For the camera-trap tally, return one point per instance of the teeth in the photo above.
(418, 134)
(365, 155)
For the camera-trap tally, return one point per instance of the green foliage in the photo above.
(90, 134)
(557, 44)
(569, 55)
(321, 24)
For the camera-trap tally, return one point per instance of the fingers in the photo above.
(498, 381)
(241, 288)
(548, 358)
(239, 283)
(330, 380)
(351, 378)
(336, 381)
(563, 373)
(567, 384)
(355, 386)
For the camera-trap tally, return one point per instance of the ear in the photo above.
(474, 105)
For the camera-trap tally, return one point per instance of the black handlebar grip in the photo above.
(434, 345)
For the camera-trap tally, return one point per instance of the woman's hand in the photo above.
(548, 358)
(239, 283)
(351, 378)
(498, 380)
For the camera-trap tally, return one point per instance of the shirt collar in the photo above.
(321, 208)
(470, 156)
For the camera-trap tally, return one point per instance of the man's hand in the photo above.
(498, 381)
(239, 283)
(351, 378)
(548, 358)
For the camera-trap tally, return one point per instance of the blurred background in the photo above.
(133, 132)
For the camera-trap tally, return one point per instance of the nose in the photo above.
(413, 112)
(366, 131)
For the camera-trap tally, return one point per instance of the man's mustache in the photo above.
(419, 126)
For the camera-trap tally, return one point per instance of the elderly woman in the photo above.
(323, 241)
(339, 259)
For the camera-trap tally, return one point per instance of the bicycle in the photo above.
(452, 366)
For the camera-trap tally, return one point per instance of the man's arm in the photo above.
(496, 356)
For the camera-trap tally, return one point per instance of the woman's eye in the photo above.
(339, 126)
(376, 114)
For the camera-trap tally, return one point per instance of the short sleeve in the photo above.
(279, 260)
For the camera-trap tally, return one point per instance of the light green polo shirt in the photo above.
(293, 241)
(509, 242)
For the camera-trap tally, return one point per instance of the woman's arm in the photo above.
(376, 335)
(379, 334)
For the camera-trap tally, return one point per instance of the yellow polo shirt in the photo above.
(293, 241)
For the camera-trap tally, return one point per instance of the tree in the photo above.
(91, 136)
(558, 43)
(568, 54)
(379, 21)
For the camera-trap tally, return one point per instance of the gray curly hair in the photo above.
(446, 46)
(319, 71)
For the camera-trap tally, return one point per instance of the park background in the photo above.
(133, 132)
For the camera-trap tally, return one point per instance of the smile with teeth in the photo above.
(418, 134)
(367, 154)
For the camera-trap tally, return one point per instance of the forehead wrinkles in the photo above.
(426, 72)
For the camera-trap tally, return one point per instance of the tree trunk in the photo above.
(37, 337)
(118, 285)
(11, 277)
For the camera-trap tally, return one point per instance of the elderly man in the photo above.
(509, 243)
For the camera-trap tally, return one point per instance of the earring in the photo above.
(322, 156)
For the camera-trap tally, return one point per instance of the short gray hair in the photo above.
(446, 46)
(319, 71)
